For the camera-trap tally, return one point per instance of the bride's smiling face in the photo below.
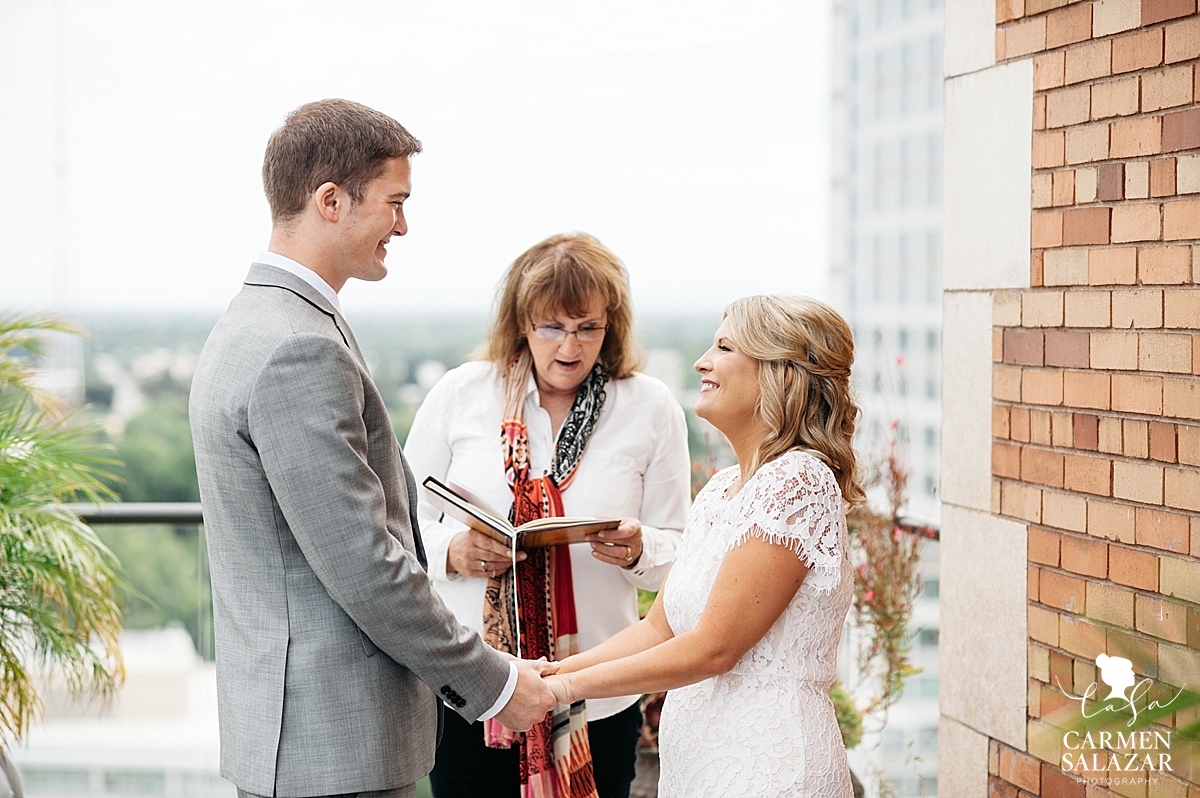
(729, 390)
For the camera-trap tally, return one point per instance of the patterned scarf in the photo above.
(556, 760)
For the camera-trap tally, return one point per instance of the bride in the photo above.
(745, 631)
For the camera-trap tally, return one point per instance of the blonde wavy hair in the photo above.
(804, 350)
(561, 275)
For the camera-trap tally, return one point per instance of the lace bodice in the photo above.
(767, 727)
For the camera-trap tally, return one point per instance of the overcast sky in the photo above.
(690, 137)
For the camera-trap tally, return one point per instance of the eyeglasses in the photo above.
(584, 335)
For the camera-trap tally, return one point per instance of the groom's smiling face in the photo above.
(370, 224)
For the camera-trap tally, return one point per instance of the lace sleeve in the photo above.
(795, 501)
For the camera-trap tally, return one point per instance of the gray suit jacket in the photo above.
(327, 631)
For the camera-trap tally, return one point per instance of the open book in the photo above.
(460, 503)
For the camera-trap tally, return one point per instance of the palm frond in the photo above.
(61, 589)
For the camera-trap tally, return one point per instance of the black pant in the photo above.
(466, 768)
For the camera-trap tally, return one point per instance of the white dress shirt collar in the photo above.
(304, 273)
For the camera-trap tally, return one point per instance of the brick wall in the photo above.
(1096, 398)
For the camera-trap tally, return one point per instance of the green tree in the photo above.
(156, 449)
(60, 589)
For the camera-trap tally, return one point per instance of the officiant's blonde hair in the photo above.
(562, 275)
(804, 350)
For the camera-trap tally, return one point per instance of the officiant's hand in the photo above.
(621, 546)
(473, 553)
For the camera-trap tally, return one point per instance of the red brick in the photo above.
(1110, 521)
(1057, 784)
(1160, 10)
(1006, 460)
(1117, 266)
(1183, 41)
(1049, 70)
(1020, 424)
(1181, 397)
(1025, 37)
(1085, 226)
(1137, 393)
(1133, 137)
(1167, 531)
(1188, 443)
(1182, 489)
(998, 788)
(1181, 219)
(1039, 427)
(1181, 131)
(1049, 149)
(1114, 350)
(1062, 591)
(1047, 229)
(1024, 347)
(1072, 24)
(1087, 143)
(1135, 438)
(1042, 467)
(1084, 556)
(1018, 500)
(1110, 182)
(1162, 441)
(1165, 265)
(1087, 474)
(1086, 389)
(1008, 10)
(1133, 568)
(1041, 387)
(1137, 51)
(1162, 177)
(999, 421)
(1020, 769)
(1086, 431)
(1137, 309)
(1067, 349)
(1116, 98)
(1043, 546)
(1063, 187)
(1136, 222)
(1138, 482)
(1089, 61)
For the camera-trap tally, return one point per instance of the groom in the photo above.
(334, 656)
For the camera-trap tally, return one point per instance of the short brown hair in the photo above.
(329, 141)
(804, 350)
(561, 275)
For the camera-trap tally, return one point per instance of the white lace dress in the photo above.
(766, 728)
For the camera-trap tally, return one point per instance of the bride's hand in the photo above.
(561, 689)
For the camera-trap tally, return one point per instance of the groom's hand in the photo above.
(531, 700)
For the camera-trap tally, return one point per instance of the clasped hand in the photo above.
(538, 690)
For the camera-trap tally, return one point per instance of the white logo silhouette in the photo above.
(1117, 673)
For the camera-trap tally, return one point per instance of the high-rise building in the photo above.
(886, 244)
(887, 190)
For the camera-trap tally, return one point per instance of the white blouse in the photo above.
(635, 465)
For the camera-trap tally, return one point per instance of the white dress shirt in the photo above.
(635, 465)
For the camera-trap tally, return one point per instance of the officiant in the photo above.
(554, 419)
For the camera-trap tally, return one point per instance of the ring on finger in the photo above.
(629, 554)
(483, 566)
